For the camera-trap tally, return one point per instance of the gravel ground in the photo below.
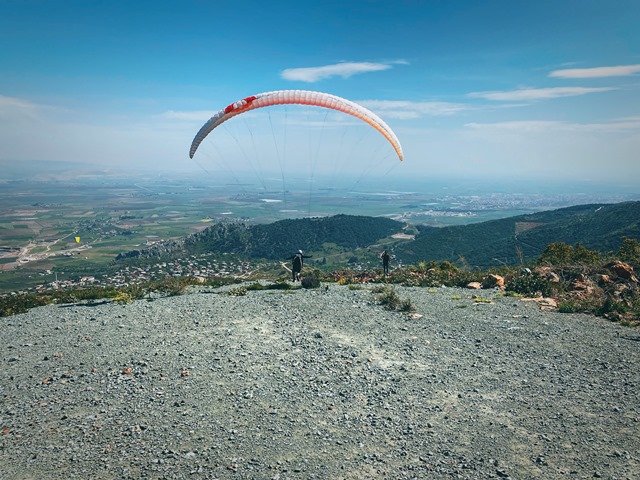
(323, 384)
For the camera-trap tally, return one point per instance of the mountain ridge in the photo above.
(508, 241)
(521, 238)
(278, 240)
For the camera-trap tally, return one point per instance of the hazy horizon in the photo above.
(396, 184)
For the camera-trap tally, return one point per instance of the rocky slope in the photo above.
(323, 384)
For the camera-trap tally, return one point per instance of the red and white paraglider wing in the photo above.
(296, 97)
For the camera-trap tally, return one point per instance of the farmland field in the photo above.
(83, 223)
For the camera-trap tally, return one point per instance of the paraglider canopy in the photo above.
(300, 97)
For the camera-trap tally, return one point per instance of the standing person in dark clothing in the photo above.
(385, 262)
(298, 262)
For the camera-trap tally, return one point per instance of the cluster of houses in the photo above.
(202, 267)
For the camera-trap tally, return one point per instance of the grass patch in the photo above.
(238, 291)
(482, 300)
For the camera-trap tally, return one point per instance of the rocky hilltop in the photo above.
(323, 383)
(276, 240)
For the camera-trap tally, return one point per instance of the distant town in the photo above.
(200, 267)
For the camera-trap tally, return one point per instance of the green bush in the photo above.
(433, 274)
(568, 303)
(630, 251)
(14, 304)
(568, 307)
(406, 305)
(310, 281)
(584, 256)
(612, 306)
(238, 291)
(556, 253)
(559, 254)
(389, 298)
(122, 298)
(529, 285)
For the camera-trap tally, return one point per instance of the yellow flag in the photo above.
(77, 239)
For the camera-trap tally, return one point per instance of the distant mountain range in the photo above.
(511, 241)
(515, 240)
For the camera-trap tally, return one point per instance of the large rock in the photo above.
(493, 281)
(545, 303)
(622, 270)
(583, 285)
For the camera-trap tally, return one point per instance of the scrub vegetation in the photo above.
(579, 279)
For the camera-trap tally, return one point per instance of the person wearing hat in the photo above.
(298, 262)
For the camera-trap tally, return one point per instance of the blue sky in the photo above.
(506, 88)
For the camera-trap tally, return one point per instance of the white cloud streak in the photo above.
(533, 126)
(597, 72)
(12, 102)
(187, 116)
(404, 109)
(15, 109)
(344, 70)
(530, 94)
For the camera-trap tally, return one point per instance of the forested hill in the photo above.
(280, 239)
(516, 239)
(348, 231)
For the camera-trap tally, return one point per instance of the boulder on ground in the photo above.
(493, 281)
(622, 270)
(544, 302)
(583, 285)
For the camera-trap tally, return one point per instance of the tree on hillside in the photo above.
(559, 253)
(629, 251)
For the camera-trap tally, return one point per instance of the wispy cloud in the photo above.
(518, 126)
(597, 72)
(14, 109)
(344, 70)
(405, 109)
(187, 116)
(533, 126)
(12, 102)
(529, 94)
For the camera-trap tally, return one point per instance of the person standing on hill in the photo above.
(385, 262)
(298, 262)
